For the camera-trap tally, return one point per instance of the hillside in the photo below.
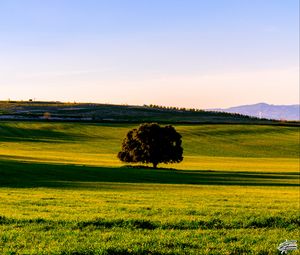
(115, 113)
(263, 110)
(206, 147)
(63, 191)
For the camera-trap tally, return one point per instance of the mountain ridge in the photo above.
(264, 110)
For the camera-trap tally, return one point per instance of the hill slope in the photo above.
(115, 113)
(206, 147)
(63, 191)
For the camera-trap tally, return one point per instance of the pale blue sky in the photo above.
(192, 53)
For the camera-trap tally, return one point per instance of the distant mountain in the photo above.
(263, 110)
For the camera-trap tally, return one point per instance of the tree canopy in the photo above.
(151, 143)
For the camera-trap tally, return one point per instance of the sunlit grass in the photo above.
(63, 191)
(216, 147)
(140, 219)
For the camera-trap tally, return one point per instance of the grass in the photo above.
(208, 147)
(62, 191)
(25, 174)
(122, 218)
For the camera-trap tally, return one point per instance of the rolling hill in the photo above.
(57, 111)
(63, 191)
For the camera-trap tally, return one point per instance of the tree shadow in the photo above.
(25, 174)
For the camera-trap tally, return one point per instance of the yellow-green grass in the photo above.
(208, 147)
(63, 191)
(115, 218)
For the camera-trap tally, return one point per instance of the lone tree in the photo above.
(151, 143)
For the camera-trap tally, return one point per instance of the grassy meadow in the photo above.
(63, 191)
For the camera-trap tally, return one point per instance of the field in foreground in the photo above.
(62, 191)
(113, 218)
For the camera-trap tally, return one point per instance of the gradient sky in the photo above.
(191, 53)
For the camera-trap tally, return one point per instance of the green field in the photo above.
(63, 191)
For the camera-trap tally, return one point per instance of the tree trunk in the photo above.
(155, 164)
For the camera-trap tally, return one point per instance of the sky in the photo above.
(185, 53)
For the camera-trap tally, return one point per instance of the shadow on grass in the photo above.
(23, 174)
(18, 134)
